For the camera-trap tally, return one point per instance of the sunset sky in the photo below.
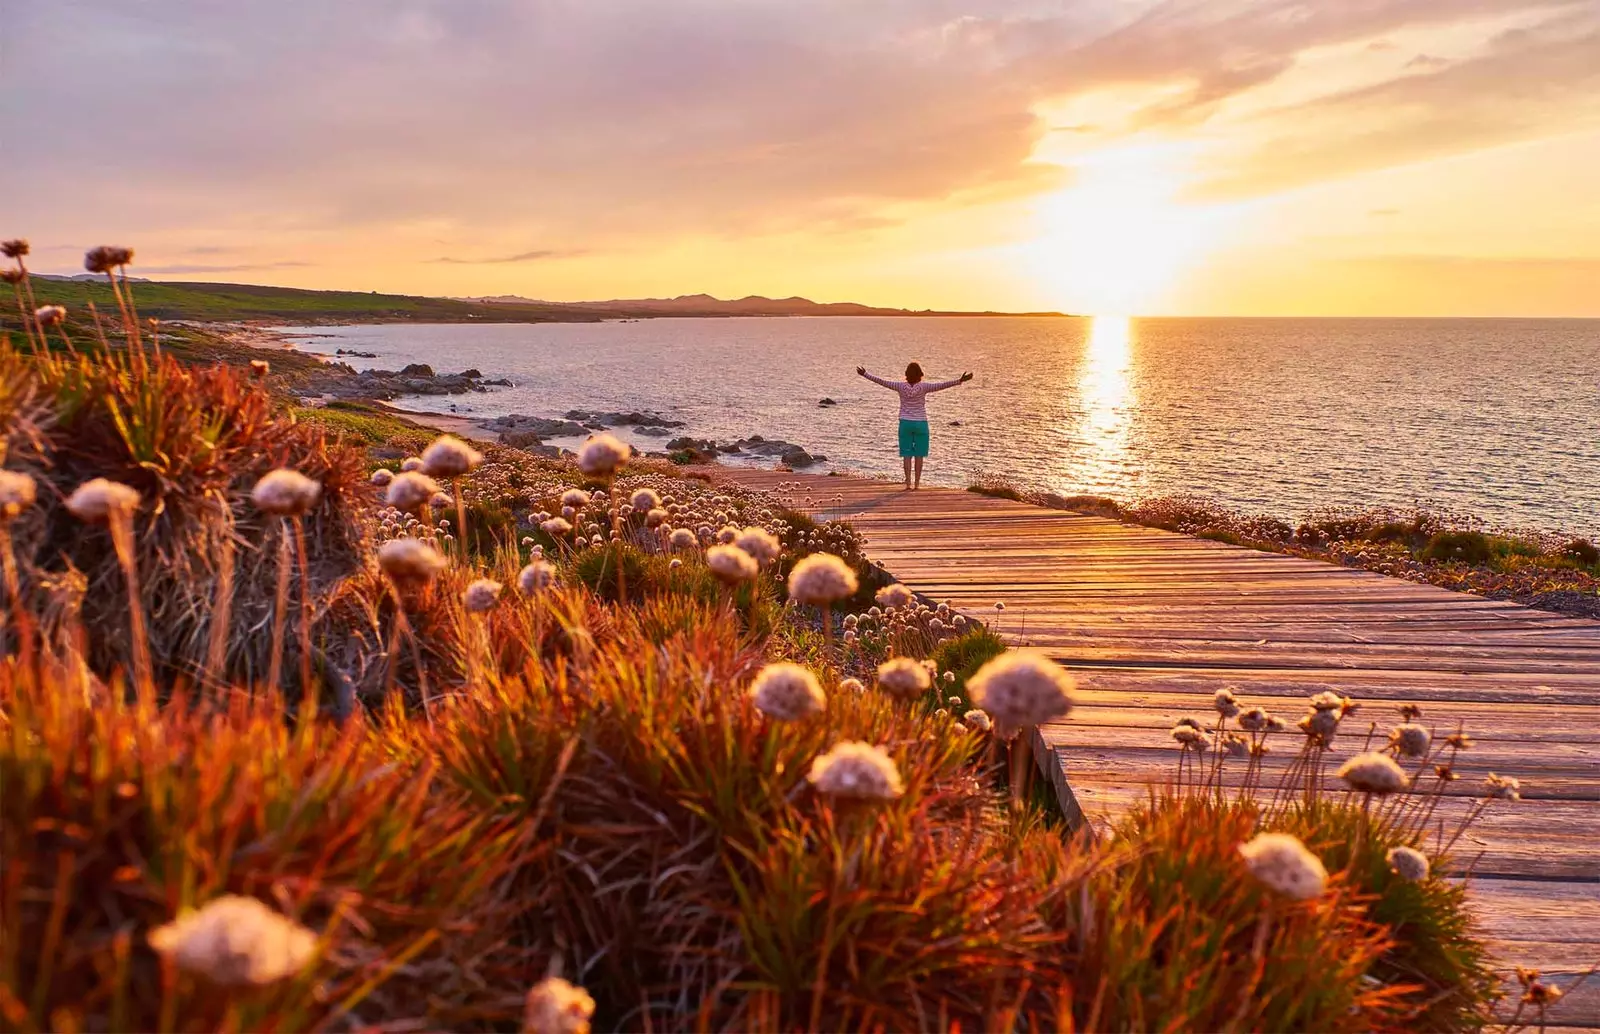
(1109, 156)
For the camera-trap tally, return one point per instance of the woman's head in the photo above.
(913, 373)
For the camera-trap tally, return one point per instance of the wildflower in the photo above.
(536, 576)
(949, 677)
(1445, 773)
(1284, 864)
(891, 596)
(259, 368)
(411, 463)
(1408, 863)
(1193, 723)
(1320, 725)
(449, 457)
(1236, 746)
(1253, 719)
(977, 720)
(1226, 703)
(1188, 737)
(903, 677)
(855, 769)
(105, 259)
(1373, 772)
(759, 543)
(285, 493)
(999, 606)
(674, 564)
(557, 1007)
(645, 499)
(731, 564)
(576, 498)
(1505, 788)
(14, 248)
(1021, 689)
(98, 500)
(1535, 991)
(382, 476)
(10, 276)
(787, 692)
(555, 527)
(727, 535)
(410, 489)
(1410, 712)
(852, 686)
(601, 455)
(234, 941)
(17, 493)
(1459, 740)
(1410, 739)
(1328, 700)
(49, 315)
(822, 578)
(481, 596)
(410, 560)
(655, 518)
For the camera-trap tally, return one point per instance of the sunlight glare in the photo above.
(1106, 399)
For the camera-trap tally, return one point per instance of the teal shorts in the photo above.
(913, 437)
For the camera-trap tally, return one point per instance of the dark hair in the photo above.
(913, 373)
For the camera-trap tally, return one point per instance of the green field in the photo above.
(198, 301)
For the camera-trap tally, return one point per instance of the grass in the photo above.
(576, 781)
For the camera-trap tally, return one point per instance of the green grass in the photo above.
(366, 424)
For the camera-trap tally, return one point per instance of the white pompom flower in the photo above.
(1284, 864)
(787, 692)
(236, 941)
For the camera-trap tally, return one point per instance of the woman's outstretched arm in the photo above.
(891, 385)
(941, 385)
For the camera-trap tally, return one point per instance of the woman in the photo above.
(913, 416)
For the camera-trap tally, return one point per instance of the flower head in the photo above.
(855, 769)
(104, 259)
(537, 576)
(1254, 719)
(1226, 703)
(410, 489)
(1320, 725)
(410, 560)
(978, 721)
(731, 564)
(682, 538)
(557, 1007)
(481, 596)
(556, 527)
(1188, 737)
(1373, 772)
(602, 454)
(234, 941)
(98, 500)
(17, 493)
(575, 498)
(1283, 863)
(904, 677)
(49, 315)
(14, 248)
(449, 457)
(852, 686)
(259, 368)
(895, 595)
(411, 463)
(1505, 788)
(1021, 689)
(1408, 863)
(285, 493)
(759, 543)
(1410, 739)
(822, 578)
(646, 499)
(382, 476)
(787, 692)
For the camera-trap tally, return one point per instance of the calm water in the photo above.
(1497, 417)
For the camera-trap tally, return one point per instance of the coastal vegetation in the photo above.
(328, 724)
(1550, 571)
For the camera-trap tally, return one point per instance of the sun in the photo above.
(1116, 240)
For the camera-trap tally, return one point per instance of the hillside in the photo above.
(750, 305)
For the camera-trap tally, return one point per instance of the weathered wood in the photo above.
(1153, 622)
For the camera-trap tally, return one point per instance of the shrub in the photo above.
(1468, 547)
(964, 655)
(1583, 551)
(995, 485)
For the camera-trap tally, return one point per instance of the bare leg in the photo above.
(918, 483)
(908, 471)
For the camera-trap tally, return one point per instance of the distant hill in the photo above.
(750, 305)
(173, 300)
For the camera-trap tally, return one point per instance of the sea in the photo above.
(1496, 418)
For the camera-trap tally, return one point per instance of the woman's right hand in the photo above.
(862, 370)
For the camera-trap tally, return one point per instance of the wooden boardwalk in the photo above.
(1152, 623)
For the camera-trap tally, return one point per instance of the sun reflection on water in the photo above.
(1106, 403)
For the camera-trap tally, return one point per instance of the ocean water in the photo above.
(1498, 418)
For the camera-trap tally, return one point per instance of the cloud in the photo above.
(494, 122)
(525, 256)
(245, 267)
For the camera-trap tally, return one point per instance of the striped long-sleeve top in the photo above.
(912, 406)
